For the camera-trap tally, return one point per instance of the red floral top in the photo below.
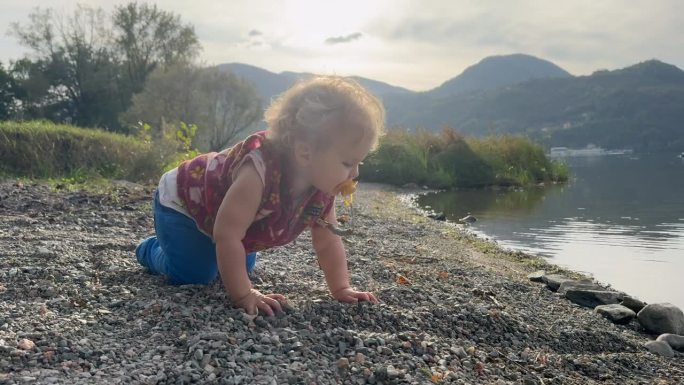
(203, 182)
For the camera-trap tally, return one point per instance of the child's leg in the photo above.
(180, 251)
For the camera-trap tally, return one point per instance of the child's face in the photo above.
(339, 162)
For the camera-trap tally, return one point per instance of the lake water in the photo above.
(619, 219)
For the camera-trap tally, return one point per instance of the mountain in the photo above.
(498, 71)
(269, 84)
(639, 107)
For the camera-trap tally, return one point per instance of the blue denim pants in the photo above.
(179, 250)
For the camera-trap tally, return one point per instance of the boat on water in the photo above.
(590, 150)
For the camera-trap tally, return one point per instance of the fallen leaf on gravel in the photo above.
(443, 274)
(436, 377)
(401, 280)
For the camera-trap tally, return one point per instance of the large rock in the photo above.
(659, 347)
(592, 298)
(659, 318)
(537, 276)
(675, 341)
(616, 313)
(585, 285)
(553, 281)
(633, 303)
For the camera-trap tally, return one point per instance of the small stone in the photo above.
(360, 358)
(525, 354)
(343, 363)
(26, 344)
(43, 251)
(460, 352)
(392, 372)
(198, 354)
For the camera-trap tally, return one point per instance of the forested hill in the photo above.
(639, 107)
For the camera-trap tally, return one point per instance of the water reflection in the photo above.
(621, 219)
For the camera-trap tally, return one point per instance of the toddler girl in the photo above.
(213, 213)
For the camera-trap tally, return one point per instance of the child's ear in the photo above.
(302, 152)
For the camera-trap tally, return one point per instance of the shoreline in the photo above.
(464, 312)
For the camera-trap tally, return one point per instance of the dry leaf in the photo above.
(401, 280)
(436, 377)
(443, 274)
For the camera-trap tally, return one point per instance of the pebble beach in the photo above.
(76, 308)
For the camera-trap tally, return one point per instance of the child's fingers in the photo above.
(277, 297)
(266, 308)
(372, 298)
(272, 303)
(366, 296)
(251, 309)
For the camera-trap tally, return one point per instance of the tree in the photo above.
(147, 37)
(32, 93)
(218, 102)
(86, 67)
(75, 58)
(7, 94)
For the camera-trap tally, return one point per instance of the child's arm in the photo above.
(236, 213)
(333, 260)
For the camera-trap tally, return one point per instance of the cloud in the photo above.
(343, 39)
(254, 32)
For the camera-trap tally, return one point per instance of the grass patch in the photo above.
(449, 160)
(40, 149)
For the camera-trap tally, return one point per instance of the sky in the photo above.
(409, 43)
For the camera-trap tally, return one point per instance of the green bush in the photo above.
(42, 149)
(447, 159)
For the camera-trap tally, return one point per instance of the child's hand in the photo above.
(255, 301)
(348, 294)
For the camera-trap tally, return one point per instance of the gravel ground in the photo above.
(76, 308)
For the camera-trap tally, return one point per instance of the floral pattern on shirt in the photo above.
(204, 181)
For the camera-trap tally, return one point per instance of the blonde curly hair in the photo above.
(315, 109)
